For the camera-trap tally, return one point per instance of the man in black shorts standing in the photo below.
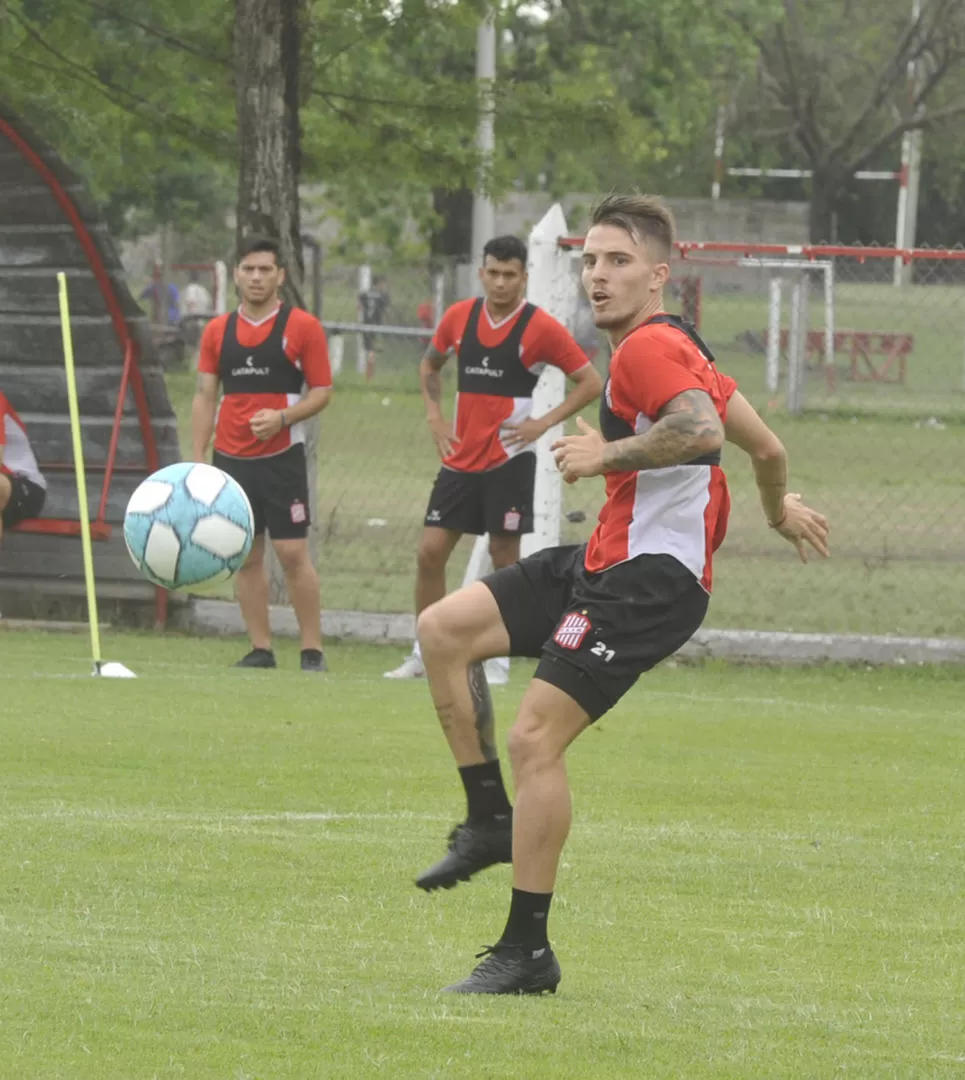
(23, 489)
(485, 484)
(271, 362)
(599, 616)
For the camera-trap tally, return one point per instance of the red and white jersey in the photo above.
(301, 343)
(18, 455)
(680, 510)
(496, 388)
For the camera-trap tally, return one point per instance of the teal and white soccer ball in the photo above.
(188, 525)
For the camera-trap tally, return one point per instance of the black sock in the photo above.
(315, 654)
(526, 925)
(485, 794)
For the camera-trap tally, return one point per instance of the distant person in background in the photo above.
(373, 304)
(197, 299)
(426, 314)
(23, 489)
(173, 314)
(196, 308)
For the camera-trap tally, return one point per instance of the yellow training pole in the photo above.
(85, 541)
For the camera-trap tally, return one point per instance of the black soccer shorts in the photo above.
(498, 501)
(277, 488)
(26, 500)
(596, 634)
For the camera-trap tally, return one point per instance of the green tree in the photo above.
(833, 91)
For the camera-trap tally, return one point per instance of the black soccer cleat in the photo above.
(313, 660)
(511, 969)
(473, 846)
(258, 658)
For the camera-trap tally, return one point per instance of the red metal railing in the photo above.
(131, 373)
(807, 251)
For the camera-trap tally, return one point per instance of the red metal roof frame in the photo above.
(131, 372)
(807, 251)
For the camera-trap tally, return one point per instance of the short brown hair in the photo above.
(644, 217)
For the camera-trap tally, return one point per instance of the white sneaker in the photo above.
(497, 671)
(411, 667)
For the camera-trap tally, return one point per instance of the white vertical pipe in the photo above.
(483, 212)
(797, 345)
(365, 283)
(773, 355)
(719, 151)
(829, 320)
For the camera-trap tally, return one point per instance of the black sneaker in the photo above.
(258, 658)
(473, 846)
(313, 660)
(511, 969)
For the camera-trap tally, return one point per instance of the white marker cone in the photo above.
(113, 670)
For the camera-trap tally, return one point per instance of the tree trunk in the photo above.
(267, 52)
(451, 240)
(824, 194)
(453, 237)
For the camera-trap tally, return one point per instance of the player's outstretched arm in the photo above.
(204, 407)
(430, 379)
(785, 513)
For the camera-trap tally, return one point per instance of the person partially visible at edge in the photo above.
(271, 363)
(23, 489)
(596, 616)
(485, 483)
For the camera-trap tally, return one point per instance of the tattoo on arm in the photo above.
(688, 427)
(482, 705)
(432, 363)
(207, 385)
(433, 383)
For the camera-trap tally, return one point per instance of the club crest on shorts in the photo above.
(511, 521)
(298, 512)
(572, 630)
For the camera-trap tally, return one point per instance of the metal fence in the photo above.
(876, 436)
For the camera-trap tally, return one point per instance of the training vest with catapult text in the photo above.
(497, 371)
(258, 369)
(612, 427)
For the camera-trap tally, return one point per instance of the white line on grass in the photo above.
(811, 704)
(126, 817)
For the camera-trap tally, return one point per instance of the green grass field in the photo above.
(208, 873)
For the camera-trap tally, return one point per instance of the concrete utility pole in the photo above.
(483, 212)
(907, 217)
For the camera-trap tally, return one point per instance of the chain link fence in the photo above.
(875, 433)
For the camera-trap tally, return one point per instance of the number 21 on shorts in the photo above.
(600, 649)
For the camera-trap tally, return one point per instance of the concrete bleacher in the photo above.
(41, 572)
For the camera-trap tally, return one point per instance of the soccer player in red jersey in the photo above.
(485, 484)
(271, 362)
(598, 616)
(23, 489)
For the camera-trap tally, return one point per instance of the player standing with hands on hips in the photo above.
(597, 616)
(271, 361)
(485, 484)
